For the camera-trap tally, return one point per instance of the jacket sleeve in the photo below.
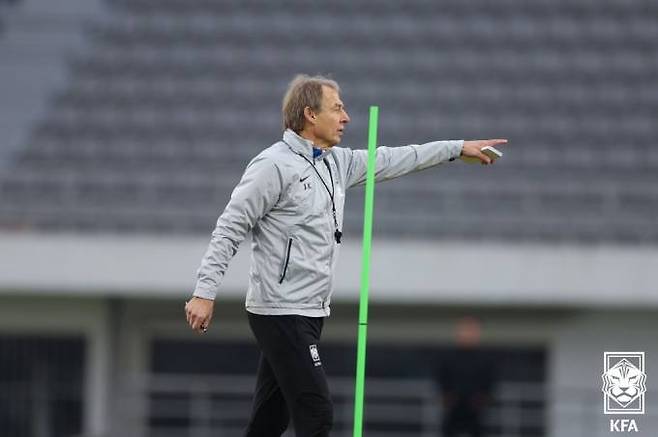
(393, 162)
(254, 196)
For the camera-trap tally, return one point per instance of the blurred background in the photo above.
(125, 124)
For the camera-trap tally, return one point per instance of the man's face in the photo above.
(330, 120)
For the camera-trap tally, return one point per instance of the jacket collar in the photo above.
(298, 144)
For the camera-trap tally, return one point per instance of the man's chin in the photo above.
(329, 143)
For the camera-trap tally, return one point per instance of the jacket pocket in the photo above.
(286, 261)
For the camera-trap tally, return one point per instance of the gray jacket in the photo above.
(282, 200)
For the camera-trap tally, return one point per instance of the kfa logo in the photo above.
(623, 425)
(624, 386)
(315, 355)
(624, 382)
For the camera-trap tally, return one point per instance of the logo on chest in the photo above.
(306, 185)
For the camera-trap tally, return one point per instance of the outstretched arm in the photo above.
(393, 162)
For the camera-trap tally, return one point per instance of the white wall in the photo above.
(438, 272)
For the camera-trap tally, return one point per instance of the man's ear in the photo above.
(309, 115)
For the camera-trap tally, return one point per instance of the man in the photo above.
(466, 378)
(291, 197)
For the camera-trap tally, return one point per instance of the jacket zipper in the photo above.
(285, 266)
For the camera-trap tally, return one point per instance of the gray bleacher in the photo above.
(172, 98)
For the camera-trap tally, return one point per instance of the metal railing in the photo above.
(219, 406)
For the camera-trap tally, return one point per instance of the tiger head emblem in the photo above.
(624, 382)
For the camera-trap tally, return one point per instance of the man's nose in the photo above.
(346, 117)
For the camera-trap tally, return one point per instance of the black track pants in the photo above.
(291, 382)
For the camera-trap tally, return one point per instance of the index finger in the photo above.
(496, 141)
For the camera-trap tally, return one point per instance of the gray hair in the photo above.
(303, 91)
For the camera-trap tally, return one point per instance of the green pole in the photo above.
(365, 274)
